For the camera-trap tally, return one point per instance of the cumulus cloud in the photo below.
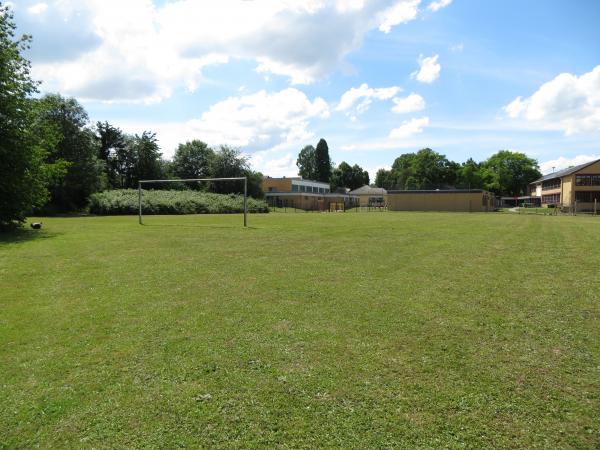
(81, 47)
(257, 121)
(401, 12)
(38, 8)
(438, 4)
(409, 128)
(564, 163)
(357, 100)
(429, 69)
(411, 103)
(569, 103)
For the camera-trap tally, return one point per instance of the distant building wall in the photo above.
(468, 201)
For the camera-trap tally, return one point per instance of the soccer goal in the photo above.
(146, 182)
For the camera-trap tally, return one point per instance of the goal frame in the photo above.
(141, 196)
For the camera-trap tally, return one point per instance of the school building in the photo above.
(370, 196)
(467, 200)
(308, 195)
(577, 186)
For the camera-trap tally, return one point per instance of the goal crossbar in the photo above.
(245, 179)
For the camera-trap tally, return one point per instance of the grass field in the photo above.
(380, 330)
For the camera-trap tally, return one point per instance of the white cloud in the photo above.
(402, 12)
(409, 128)
(411, 103)
(38, 8)
(569, 103)
(257, 121)
(429, 70)
(356, 101)
(564, 163)
(438, 4)
(276, 167)
(139, 51)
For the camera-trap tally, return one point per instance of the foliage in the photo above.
(125, 201)
(305, 331)
(23, 174)
(306, 163)
(323, 163)
(112, 150)
(228, 162)
(347, 176)
(76, 145)
(509, 173)
(193, 159)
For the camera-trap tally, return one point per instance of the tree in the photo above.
(111, 146)
(425, 169)
(351, 177)
(322, 162)
(384, 179)
(147, 158)
(76, 145)
(509, 173)
(193, 160)
(469, 175)
(306, 163)
(23, 175)
(229, 162)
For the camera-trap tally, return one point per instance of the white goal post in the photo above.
(140, 194)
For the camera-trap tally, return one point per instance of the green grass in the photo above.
(380, 330)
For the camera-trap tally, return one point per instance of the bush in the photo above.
(125, 201)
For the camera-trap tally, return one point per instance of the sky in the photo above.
(375, 78)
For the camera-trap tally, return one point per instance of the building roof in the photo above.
(308, 194)
(565, 172)
(368, 190)
(436, 191)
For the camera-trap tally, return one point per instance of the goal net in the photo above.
(143, 183)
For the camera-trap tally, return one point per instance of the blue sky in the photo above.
(374, 78)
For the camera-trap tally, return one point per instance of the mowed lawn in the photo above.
(347, 330)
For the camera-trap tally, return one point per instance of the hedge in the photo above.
(125, 201)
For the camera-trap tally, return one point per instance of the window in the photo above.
(587, 196)
(587, 180)
(552, 198)
(302, 188)
(271, 189)
(321, 191)
(551, 184)
(294, 188)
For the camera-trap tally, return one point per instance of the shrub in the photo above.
(125, 201)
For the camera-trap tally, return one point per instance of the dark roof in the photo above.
(307, 194)
(434, 191)
(565, 172)
(366, 189)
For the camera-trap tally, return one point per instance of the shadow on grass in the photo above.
(21, 235)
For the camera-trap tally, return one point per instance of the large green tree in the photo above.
(509, 173)
(306, 163)
(347, 176)
(111, 150)
(146, 157)
(23, 174)
(229, 162)
(425, 169)
(193, 159)
(323, 164)
(77, 145)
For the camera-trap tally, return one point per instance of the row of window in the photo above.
(551, 184)
(551, 198)
(587, 180)
(313, 189)
(587, 196)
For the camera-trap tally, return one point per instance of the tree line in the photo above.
(504, 173)
(52, 158)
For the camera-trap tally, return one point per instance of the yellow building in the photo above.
(303, 194)
(370, 196)
(473, 200)
(577, 186)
